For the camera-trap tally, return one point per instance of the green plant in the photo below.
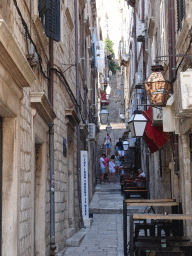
(109, 46)
(110, 55)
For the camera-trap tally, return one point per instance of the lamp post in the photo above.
(125, 145)
(104, 115)
(137, 124)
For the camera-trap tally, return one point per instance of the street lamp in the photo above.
(108, 128)
(137, 124)
(125, 145)
(104, 115)
(157, 87)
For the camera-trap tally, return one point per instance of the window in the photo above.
(180, 13)
(42, 8)
(49, 13)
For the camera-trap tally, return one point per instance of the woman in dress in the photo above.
(107, 144)
(112, 168)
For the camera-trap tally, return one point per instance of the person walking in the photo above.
(119, 148)
(112, 168)
(102, 167)
(106, 163)
(117, 162)
(107, 143)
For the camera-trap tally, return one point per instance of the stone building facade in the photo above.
(43, 123)
(162, 29)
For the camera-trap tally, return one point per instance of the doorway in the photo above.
(71, 183)
(39, 198)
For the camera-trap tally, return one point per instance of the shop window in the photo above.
(180, 13)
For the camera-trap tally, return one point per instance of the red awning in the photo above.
(154, 136)
(104, 99)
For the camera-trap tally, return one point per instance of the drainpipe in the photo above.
(78, 104)
(172, 70)
(135, 40)
(51, 154)
(84, 70)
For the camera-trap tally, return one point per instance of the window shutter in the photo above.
(180, 13)
(52, 20)
(43, 5)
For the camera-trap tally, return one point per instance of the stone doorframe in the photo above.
(42, 115)
(39, 136)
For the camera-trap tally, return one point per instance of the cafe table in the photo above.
(147, 203)
(134, 217)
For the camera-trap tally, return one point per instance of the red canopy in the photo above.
(154, 136)
(104, 99)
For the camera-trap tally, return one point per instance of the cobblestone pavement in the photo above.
(103, 239)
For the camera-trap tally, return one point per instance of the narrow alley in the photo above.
(105, 236)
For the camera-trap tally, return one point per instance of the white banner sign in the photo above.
(100, 57)
(84, 185)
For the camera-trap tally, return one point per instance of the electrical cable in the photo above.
(40, 60)
(174, 79)
(30, 38)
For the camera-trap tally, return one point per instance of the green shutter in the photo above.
(43, 5)
(52, 20)
(180, 13)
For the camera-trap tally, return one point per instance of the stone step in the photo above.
(76, 239)
(111, 190)
(70, 232)
(113, 211)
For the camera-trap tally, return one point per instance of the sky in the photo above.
(114, 29)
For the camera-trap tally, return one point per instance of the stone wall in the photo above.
(26, 163)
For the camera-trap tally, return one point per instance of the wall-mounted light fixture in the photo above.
(104, 115)
(137, 123)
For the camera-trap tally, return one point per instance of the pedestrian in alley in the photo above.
(117, 162)
(141, 176)
(107, 143)
(102, 166)
(106, 163)
(112, 168)
(119, 148)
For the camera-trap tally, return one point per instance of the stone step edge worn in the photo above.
(76, 239)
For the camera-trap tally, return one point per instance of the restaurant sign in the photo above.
(84, 185)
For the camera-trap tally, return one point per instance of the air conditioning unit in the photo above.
(31, 55)
(138, 78)
(157, 116)
(132, 142)
(101, 80)
(185, 91)
(141, 32)
(92, 131)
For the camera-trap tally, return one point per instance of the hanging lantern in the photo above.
(157, 87)
(125, 145)
(104, 115)
(137, 124)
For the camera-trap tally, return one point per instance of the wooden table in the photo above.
(147, 203)
(144, 217)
